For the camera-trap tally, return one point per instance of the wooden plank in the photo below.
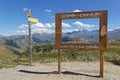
(83, 49)
(59, 62)
(58, 32)
(79, 46)
(101, 64)
(82, 44)
(77, 15)
(78, 43)
(103, 31)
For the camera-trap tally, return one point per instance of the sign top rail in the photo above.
(87, 14)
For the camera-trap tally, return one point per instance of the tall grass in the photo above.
(111, 55)
(48, 56)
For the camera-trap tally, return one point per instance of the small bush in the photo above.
(116, 60)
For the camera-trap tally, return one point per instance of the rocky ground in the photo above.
(70, 71)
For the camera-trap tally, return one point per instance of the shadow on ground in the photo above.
(55, 72)
(33, 72)
(74, 73)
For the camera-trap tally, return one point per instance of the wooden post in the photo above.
(30, 45)
(101, 64)
(59, 62)
(30, 40)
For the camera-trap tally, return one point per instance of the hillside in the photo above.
(21, 41)
(1, 36)
(6, 54)
(114, 35)
(17, 44)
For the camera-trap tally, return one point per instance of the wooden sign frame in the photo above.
(101, 46)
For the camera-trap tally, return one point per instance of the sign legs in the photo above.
(101, 64)
(59, 62)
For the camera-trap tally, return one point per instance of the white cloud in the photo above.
(23, 26)
(53, 24)
(48, 10)
(42, 30)
(48, 14)
(69, 30)
(36, 28)
(21, 31)
(38, 25)
(25, 9)
(48, 25)
(110, 29)
(41, 25)
(118, 27)
(77, 10)
(66, 25)
(80, 24)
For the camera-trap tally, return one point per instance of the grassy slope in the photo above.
(6, 54)
(112, 54)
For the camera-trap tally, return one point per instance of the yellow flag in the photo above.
(33, 20)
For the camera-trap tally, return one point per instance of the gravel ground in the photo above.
(70, 71)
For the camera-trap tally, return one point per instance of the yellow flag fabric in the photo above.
(33, 20)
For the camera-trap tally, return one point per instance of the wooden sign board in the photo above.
(102, 15)
(73, 46)
(101, 46)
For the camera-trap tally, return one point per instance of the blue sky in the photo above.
(13, 19)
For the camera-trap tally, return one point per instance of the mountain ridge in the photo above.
(21, 41)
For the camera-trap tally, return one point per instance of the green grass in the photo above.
(111, 55)
(45, 58)
(79, 56)
(48, 56)
(6, 56)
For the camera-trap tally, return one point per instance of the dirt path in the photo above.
(70, 71)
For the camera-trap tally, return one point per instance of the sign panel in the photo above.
(101, 46)
(72, 46)
(92, 14)
(33, 20)
(102, 15)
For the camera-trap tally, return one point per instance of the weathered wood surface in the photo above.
(101, 46)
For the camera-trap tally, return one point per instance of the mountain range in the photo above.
(1, 36)
(21, 41)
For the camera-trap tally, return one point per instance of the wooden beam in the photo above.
(58, 30)
(101, 64)
(59, 62)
